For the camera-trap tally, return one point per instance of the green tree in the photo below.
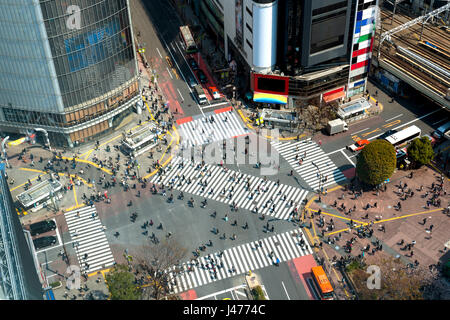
(420, 151)
(376, 162)
(121, 284)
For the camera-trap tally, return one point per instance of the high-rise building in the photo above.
(68, 67)
(301, 49)
(19, 271)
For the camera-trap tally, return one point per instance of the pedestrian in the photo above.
(430, 228)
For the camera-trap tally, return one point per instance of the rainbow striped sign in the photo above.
(269, 98)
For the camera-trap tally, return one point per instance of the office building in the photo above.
(296, 49)
(68, 67)
(19, 276)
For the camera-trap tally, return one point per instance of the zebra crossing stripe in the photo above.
(244, 258)
(202, 131)
(315, 156)
(283, 197)
(88, 232)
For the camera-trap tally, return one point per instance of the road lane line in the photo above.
(439, 121)
(285, 291)
(343, 152)
(159, 52)
(394, 117)
(180, 94)
(360, 131)
(170, 74)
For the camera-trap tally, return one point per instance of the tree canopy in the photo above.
(376, 162)
(121, 284)
(420, 151)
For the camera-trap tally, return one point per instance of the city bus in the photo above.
(323, 284)
(404, 136)
(188, 40)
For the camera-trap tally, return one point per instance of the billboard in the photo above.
(270, 84)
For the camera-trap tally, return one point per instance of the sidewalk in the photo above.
(94, 288)
(406, 224)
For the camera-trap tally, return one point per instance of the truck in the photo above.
(200, 94)
(336, 126)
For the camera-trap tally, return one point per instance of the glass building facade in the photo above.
(70, 72)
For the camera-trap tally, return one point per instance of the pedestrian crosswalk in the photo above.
(208, 129)
(231, 187)
(316, 168)
(90, 242)
(239, 260)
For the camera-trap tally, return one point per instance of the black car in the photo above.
(201, 76)
(42, 227)
(193, 64)
(43, 242)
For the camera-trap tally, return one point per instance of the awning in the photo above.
(333, 96)
(269, 98)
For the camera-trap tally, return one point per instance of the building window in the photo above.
(249, 28)
(339, 5)
(249, 44)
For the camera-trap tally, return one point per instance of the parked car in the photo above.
(201, 76)
(215, 93)
(42, 227)
(44, 242)
(193, 64)
(358, 145)
(191, 81)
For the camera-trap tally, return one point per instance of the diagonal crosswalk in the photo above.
(239, 260)
(211, 128)
(232, 187)
(315, 162)
(89, 238)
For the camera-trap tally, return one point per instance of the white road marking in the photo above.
(393, 118)
(285, 291)
(180, 94)
(220, 292)
(343, 152)
(439, 121)
(359, 131)
(159, 52)
(170, 74)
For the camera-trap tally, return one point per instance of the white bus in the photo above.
(404, 136)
